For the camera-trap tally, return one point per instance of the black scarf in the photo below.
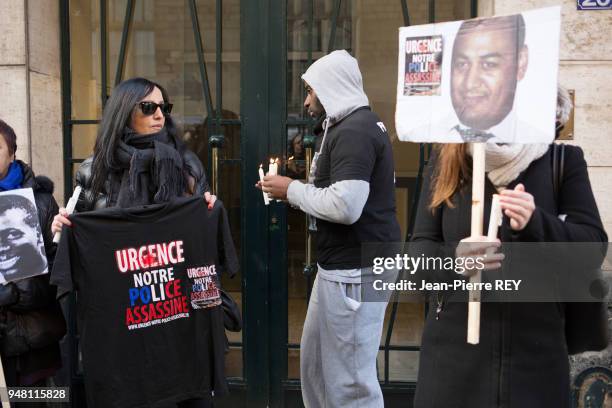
(151, 169)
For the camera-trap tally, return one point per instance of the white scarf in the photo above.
(504, 162)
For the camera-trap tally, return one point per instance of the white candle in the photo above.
(72, 202)
(261, 177)
(272, 169)
(495, 219)
(276, 162)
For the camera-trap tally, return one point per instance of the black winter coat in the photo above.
(197, 183)
(522, 360)
(32, 321)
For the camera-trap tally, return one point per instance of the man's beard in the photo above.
(319, 111)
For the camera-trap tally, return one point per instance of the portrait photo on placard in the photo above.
(481, 80)
(22, 250)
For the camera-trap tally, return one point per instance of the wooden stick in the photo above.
(5, 401)
(478, 179)
(495, 221)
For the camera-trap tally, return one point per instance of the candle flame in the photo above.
(289, 159)
(271, 160)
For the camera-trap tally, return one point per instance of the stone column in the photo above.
(30, 87)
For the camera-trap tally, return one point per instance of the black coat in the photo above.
(32, 321)
(196, 176)
(522, 358)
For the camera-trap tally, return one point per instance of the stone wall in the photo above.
(30, 87)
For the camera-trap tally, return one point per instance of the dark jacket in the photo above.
(522, 359)
(356, 148)
(32, 321)
(197, 183)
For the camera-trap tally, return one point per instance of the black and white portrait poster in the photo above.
(22, 250)
(488, 79)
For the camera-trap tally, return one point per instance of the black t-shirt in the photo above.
(357, 148)
(147, 282)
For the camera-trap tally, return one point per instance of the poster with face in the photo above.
(22, 250)
(481, 80)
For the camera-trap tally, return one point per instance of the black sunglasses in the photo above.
(149, 108)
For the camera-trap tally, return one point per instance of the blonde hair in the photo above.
(452, 167)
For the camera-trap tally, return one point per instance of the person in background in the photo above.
(31, 321)
(296, 167)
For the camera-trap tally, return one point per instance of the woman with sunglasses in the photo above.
(138, 159)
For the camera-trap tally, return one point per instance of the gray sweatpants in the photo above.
(339, 347)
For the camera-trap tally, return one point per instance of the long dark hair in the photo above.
(9, 136)
(116, 117)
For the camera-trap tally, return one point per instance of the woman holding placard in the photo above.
(522, 358)
(31, 319)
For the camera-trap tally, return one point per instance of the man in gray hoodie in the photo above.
(351, 195)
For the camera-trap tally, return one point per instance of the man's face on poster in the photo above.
(486, 67)
(19, 245)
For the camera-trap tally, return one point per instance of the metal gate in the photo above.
(233, 69)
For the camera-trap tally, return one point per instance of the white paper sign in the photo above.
(22, 249)
(490, 79)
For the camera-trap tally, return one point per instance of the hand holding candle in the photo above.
(273, 185)
(72, 202)
(276, 186)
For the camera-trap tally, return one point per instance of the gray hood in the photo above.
(336, 80)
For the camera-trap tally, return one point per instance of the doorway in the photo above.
(232, 69)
